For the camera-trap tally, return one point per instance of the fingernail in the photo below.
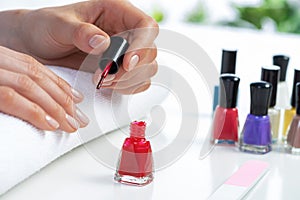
(96, 41)
(82, 117)
(72, 122)
(77, 94)
(133, 62)
(52, 122)
(109, 78)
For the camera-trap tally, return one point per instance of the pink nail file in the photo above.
(237, 186)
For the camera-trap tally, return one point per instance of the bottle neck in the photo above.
(137, 129)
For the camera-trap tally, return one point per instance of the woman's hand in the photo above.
(65, 35)
(30, 91)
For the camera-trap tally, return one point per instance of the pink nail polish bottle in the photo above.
(135, 166)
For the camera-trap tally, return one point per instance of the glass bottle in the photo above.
(256, 134)
(289, 113)
(226, 122)
(135, 166)
(270, 74)
(228, 65)
(293, 137)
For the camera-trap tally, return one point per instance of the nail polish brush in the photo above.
(112, 58)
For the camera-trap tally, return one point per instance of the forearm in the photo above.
(10, 32)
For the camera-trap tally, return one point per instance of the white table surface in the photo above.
(77, 175)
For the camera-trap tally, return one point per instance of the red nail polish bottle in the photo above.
(135, 165)
(226, 122)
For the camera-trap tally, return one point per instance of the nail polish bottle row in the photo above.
(279, 112)
(256, 134)
(271, 116)
(262, 124)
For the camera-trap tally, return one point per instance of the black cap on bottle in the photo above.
(260, 98)
(298, 98)
(229, 84)
(296, 80)
(114, 53)
(271, 75)
(282, 61)
(228, 61)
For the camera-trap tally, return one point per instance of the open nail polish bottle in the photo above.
(283, 97)
(270, 74)
(135, 166)
(226, 122)
(227, 67)
(256, 134)
(293, 137)
(289, 113)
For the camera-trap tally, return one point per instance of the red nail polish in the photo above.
(226, 123)
(135, 166)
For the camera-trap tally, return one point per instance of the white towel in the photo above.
(24, 149)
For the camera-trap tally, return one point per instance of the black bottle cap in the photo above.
(298, 98)
(229, 84)
(270, 74)
(260, 98)
(228, 61)
(114, 53)
(296, 80)
(282, 61)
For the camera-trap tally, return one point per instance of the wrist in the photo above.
(11, 28)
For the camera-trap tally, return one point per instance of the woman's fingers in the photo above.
(32, 68)
(30, 90)
(131, 82)
(148, 65)
(124, 79)
(89, 38)
(14, 104)
(135, 89)
(44, 90)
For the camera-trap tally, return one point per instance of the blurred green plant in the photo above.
(284, 14)
(197, 15)
(158, 15)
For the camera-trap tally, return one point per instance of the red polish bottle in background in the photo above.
(225, 122)
(135, 166)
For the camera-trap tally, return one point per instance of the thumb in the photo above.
(89, 38)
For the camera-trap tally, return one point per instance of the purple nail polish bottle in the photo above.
(256, 135)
